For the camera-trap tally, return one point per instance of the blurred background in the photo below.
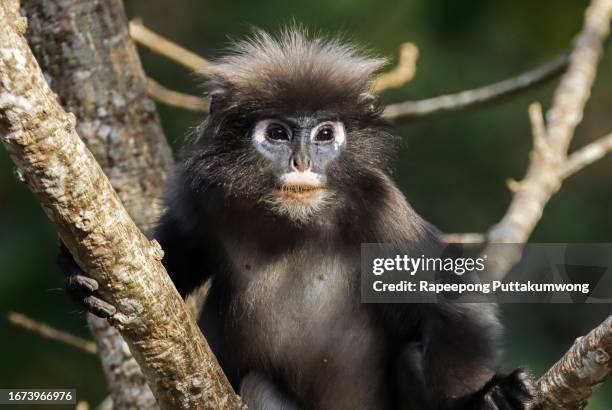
(452, 167)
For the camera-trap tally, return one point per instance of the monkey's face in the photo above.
(293, 127)
(298, 151)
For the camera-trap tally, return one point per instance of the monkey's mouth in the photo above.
(301, 193)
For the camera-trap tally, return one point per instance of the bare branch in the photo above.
(478, 96)
(470, 237)
(165, 47)
(42, 141)
(402, 73)
(49, 332)
(106, 404)
(174, 98)
(587, 155)
(569, 383)
(538, 127)
(549, 153)
(82, 405)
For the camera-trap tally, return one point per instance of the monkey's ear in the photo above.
(218, 101)
(369, 101)
(219, 93)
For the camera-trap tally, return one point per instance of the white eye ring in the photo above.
(338, 129)
(261, 130)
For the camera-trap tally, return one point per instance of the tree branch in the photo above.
(551, 141)
(49, 332)
(402, 73)
(569, 383)
(82, 405)
(41, 139)
(469, 237)
(175, 99)
(478, 96)
(93, 65)
(165, 47)
(586, 156)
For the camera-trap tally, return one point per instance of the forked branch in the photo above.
(549, 159)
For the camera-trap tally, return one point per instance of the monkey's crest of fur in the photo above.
(293, 67)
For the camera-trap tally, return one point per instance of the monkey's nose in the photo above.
(300, 163)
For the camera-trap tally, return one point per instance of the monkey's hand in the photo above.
(512, 392)
(81, 287)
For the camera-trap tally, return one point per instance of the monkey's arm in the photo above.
(191, 253)
(450, 360)
(461, 346)
(451, 350)
(187, 256)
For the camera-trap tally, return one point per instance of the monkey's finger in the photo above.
(520, 390)
(501, 401)
(488, 402)
(99, 307)
(77, 283)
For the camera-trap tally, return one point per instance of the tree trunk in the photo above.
(42, 140)
(90, 61)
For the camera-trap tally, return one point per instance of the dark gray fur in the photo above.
(284, 314)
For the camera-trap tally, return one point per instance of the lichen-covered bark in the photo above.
(569, 383)
(42, 140)
(90, 61)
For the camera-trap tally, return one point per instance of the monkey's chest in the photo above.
(299, 317)
(294, 299)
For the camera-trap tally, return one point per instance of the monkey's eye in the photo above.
(325, 134)
(276, 132)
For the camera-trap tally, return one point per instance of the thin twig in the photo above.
(174, 98)
(49, 332)
(82, 405)
(569, 383)
(478, 96)
(165, 47)
(402, 73)
(587, 155)
(538, 126)
(106, 404)
(468, 237)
